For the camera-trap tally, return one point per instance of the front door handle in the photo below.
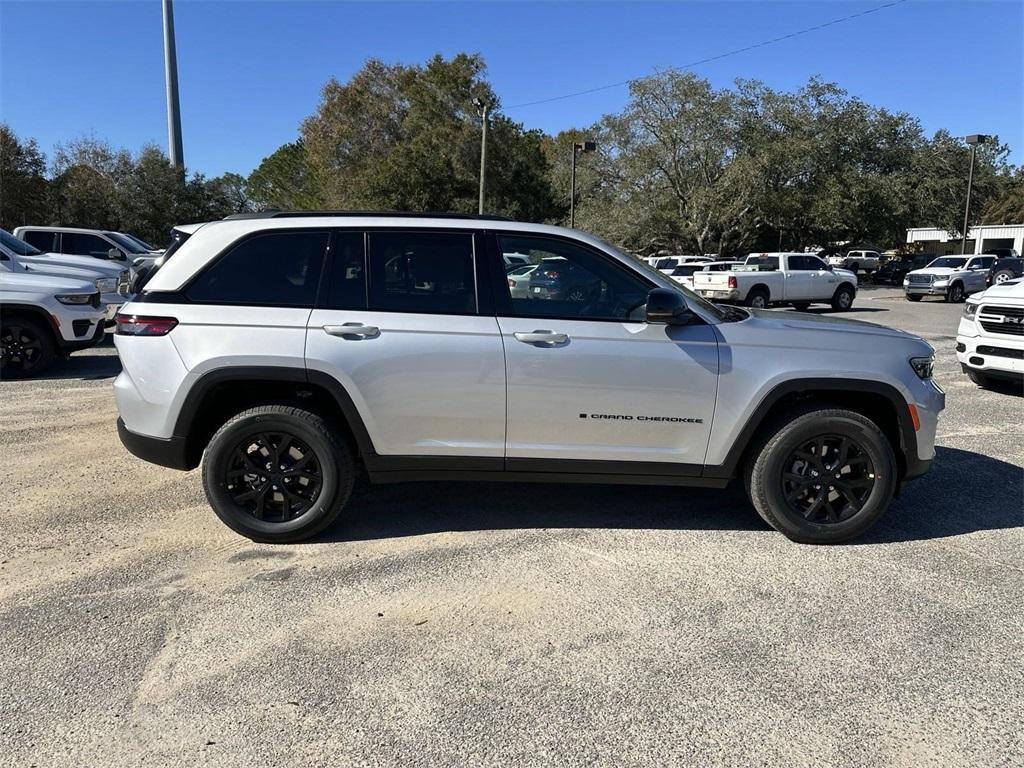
(353, 331)
(546, 338)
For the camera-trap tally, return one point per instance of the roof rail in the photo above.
(275, 214)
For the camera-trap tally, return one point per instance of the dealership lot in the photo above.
(505, 624)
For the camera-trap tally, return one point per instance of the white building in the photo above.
(979, 239)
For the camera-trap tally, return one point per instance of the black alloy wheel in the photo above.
(25, 349)
(955, 294)
(827, 479)
(273, 476)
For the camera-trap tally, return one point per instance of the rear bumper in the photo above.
(167, 452)
(719, 294)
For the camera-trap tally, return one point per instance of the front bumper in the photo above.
(925, 290)
(988, 354)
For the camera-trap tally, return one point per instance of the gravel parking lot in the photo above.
(504, 624)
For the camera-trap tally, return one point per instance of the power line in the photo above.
(762, 44)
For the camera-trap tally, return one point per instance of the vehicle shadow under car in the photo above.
(931, 507)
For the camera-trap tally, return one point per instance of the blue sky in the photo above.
(251, 71)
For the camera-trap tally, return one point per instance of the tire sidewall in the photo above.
(872, 442)
(47, 351)
(218, 455)
(752, 300)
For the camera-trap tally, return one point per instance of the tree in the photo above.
(408, 138)
(23, 185)
(284, 180)
(1006, 206)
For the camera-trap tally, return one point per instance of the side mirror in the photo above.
(666, 306)
(115, 255)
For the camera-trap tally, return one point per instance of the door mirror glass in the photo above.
(115, 255)
(667, 306)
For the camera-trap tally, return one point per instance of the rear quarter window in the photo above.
(279, 269)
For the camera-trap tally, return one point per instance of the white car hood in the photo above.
(937, 271)
(1013, 289)
(100, 267)
(58, 270)
(25, 282)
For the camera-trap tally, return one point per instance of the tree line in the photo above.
(684, 167)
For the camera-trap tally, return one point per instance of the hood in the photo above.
(937, 271)
(847, 273)
(98, 267)
(1011, 289)
(59, 270)
(28, 282)
(806, 321)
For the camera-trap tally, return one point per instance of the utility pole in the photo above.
(171, 79)
(484, 107)
(973, 140)
(577, 147)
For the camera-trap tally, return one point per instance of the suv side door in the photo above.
(402, 325)
(589, 379)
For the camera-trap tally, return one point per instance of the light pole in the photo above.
(484, 107)
(973, 140)
(171, 76)
(577, 147)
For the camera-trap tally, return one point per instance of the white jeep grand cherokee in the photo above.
(287, 352)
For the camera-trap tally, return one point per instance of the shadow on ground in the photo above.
(85, 367)
(931, 507)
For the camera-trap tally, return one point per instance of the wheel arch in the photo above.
(879, 401)
(9, 310)
(224, 392)
(762, 287)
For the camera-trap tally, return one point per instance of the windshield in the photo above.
(142, 243)
(125, 243)
(951, 263)
(20, 247)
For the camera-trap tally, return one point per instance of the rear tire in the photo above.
(822, 495)
(842, 299)
(27, 348)
(277, 474)
(1002, 276)
(757, 299)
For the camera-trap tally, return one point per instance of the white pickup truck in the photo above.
(797, 279)
(855, 261)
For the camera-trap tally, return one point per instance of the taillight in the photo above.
(141, 325)
(732, 281)
(511, 283)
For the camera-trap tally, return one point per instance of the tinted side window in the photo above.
(813, 262)
(573, 281)
(346, 288)
(41, 240)
(426, 272)
(274, 268)
(83, 244)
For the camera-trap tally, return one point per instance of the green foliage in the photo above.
(284, 180)
(408, 138)
(22, 182)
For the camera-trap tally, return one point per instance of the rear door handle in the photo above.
(353, 331)
(547, 338)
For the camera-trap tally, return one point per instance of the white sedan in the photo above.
(519, 281)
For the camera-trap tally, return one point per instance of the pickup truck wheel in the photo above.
(842, 300)
(26, 348)
(826, 476)
(1002, 276)
(277, 474)
(757, 299)
(955, 293)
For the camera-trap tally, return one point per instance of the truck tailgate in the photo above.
(711, 280)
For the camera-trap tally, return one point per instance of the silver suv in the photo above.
(288, 352)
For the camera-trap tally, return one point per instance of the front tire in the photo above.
(824, 477)
(842, 300)
(955, 293)
(277, 474)
(26, 348)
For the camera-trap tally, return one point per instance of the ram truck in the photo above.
(766, 279)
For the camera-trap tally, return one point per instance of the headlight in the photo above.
(940, 283)
(922, 366)
(970, 310)
(74, 298)
(106, 284)
(906, 281)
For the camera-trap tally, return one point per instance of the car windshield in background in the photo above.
(951, 263)
(20, 247)
(125, 243)
(142, 243)
(763, 263)
(686, 271)
(666, 263)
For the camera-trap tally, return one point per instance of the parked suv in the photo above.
(287, 352)
(1003, 270)
(43, 317)
(894, 270)
(98, 243)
